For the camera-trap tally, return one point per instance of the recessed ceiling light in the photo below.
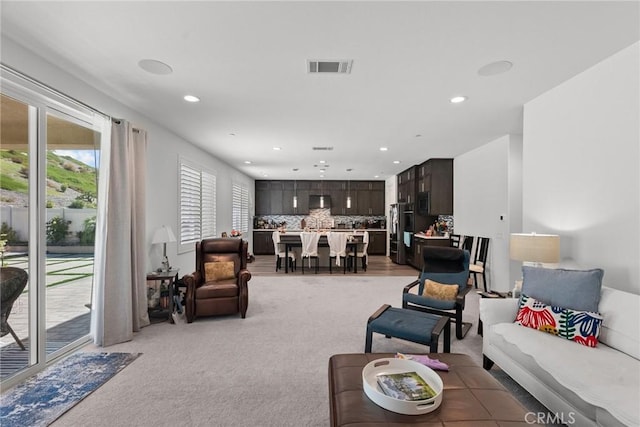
(376, 176)
(265, 175)
(322, 170)
(458, 99)
(323, 161)
(321, 176)
(191, 98)
(155, 67)
(396, 162)
(247, 162)
(383, 148)
(277, 148)
(494, 68)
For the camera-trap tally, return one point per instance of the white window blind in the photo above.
(197, 204)
(240, 212)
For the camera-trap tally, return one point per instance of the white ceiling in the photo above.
(247, 63)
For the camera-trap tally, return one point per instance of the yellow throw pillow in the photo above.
(439, 291)
(221, 270)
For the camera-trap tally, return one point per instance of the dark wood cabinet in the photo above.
(406, 182)
(276, 197)
(263, 243)
(377, 242)
(435, 176)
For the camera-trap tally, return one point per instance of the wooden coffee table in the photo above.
(472, 397)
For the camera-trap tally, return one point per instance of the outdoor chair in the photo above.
(13, 280)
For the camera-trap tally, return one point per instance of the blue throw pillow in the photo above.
(574, 289)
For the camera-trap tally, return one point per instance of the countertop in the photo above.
(424, 236)
(349, 230)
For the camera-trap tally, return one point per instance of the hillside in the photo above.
(68, 180)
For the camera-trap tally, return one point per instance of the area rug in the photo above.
(43, 398)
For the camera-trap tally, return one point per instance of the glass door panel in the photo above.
(18, 347)
(71, 196)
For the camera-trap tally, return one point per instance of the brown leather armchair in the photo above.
(219, 284)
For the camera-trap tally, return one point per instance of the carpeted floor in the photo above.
(46, 396)
(269, 369)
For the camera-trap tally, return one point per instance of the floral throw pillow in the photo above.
(582, 327)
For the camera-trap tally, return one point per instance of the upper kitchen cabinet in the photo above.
(263, 197)
(406, 181)
(435, 176)
(369, 198)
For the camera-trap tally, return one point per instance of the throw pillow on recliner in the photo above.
(219, 270)
(439, 291)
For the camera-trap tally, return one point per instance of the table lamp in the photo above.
(535, 248)
(164, 235)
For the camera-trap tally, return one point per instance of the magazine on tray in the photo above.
(405, 386)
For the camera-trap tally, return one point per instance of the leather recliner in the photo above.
(214, 294)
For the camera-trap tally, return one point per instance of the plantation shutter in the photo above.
(240, 208)
(197, 205)
(190, 229)
(208, 205)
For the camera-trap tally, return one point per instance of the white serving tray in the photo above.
(396, 366)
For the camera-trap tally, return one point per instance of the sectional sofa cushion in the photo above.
(574, 289)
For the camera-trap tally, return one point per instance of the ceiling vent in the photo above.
(329, 66)
(322, 148)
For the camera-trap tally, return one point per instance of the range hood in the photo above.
(314, 202)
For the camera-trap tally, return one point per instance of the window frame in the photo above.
(240, 207)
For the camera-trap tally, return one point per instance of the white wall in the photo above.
(580, 170)
(486, 202)
(163, 150)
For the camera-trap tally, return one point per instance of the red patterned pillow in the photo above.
(580, 326)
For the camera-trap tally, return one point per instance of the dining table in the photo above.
(292, 240)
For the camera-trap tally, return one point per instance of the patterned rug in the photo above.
(43, 398)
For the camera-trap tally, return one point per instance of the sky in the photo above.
(88, 157)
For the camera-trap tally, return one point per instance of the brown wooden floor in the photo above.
(265, 265)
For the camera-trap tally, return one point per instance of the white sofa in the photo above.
(580, 385)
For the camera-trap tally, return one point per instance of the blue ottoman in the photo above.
(410, 325)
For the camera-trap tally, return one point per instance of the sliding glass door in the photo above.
(50, 153)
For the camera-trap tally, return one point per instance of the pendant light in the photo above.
(321, 196)
(295, 194)
(348, 194)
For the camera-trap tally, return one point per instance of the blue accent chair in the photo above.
(443, 265)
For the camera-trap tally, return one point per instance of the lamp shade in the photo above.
(163, 234)
(535, 247)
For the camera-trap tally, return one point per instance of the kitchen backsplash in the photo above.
(318, 218)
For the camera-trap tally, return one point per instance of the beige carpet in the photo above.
(269, 369)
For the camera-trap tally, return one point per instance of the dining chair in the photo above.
(478, 266)
(309, 248)
(337, 249)
(361, 251)
(281, 253)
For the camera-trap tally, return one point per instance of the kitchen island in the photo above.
(263, 242)
(420, 241)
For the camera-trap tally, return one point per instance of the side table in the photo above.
(169, 279)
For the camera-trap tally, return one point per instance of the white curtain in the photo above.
(120, 302)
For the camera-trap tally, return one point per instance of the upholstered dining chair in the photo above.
(13, 280)
(218, 286)
(309, 248)
(281, 253)
(361, 252)
(442, 285)
(337, 250)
